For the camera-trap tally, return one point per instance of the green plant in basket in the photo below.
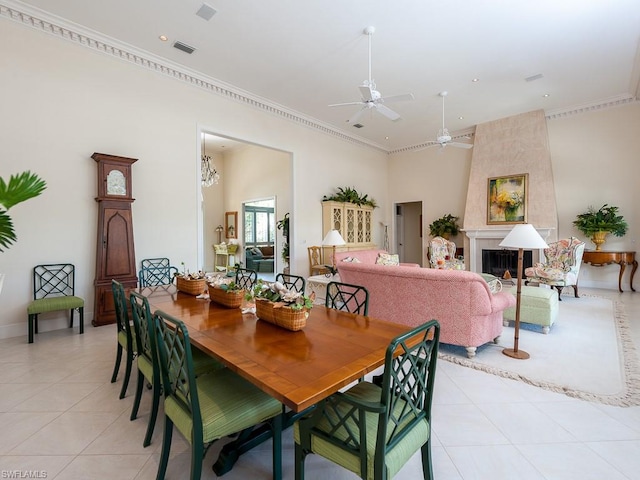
(276, 292)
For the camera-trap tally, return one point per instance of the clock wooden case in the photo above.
(115, 253)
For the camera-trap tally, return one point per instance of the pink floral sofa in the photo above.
(469, 314)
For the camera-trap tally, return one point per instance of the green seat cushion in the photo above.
(228, 404)
(51, 304)
(122, 340)
(395, 458)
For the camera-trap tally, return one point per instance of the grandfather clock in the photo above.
(115, 255)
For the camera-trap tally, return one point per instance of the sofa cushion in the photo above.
(387, 259)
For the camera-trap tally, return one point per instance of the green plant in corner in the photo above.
(21, 187)
(444, 226)
(284, 226)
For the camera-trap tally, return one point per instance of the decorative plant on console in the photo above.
(596, 224)
(350, 195)
(445, 226)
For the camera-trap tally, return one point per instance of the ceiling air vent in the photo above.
(184, 47)
(358, 125)
(206, 11)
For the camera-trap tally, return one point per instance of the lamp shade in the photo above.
(523, 236)
(333, 237)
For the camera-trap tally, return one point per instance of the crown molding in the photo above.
(603, 104)
(61, 28)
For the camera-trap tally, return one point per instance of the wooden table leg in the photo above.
(633, 272)
(622, 268)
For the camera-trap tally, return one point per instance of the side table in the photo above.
(318, 285)
(600, 258)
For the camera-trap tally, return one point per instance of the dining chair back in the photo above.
(148, 365)
(246, 278)
(156, 271)
(373, 430)
(292, 282)
(53, 290)
(126, 340)
(347, 297)
(209, 407)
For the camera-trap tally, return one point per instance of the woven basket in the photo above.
(225, 298)
(284, 317)
(191, 286)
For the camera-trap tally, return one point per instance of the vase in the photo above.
(598, 239)
(511, 214)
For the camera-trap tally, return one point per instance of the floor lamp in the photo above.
(521, 236)
(333, 239)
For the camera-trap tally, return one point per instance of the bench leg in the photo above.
(81, 314)
(32, 318)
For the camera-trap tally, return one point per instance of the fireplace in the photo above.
(497, 262)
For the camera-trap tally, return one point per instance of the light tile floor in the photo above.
(61, 418)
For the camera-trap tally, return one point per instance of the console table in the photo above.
(602, 258)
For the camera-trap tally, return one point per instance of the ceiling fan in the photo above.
(444, 138)
(371, 98)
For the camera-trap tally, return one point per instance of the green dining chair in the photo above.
(211, 406)
(156, 271)
(246, 278)
(347, 298)
(374, 430)
(292, 282)
(148, 364)
(126, 340)
(53, 290)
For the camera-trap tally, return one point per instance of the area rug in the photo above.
(589, 353)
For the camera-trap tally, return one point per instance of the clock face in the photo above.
(116, 183)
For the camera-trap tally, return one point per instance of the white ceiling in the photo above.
(306, 54)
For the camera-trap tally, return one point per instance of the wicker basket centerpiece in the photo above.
(191, 283)
(223, 291)
(284, 308)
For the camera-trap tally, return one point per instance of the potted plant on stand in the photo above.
(284, 226)
(597, 224)
(21, 187)
(445, 226)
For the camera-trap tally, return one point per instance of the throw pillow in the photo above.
(388, 259)
(495, 285)
(351, 260)
(256, 251)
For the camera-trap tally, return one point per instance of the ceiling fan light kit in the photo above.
(371, 98)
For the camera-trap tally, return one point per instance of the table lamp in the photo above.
(333, 239)
(521, 236)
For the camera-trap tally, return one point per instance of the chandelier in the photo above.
(210, 175)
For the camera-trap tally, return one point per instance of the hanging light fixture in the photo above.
(210, 175)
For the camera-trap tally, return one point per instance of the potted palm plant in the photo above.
(597, 224)
(445, 226)
(19, 188)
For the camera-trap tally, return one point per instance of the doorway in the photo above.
(408, 224)
(259, 226)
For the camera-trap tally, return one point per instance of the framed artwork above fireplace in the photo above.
(507, 199)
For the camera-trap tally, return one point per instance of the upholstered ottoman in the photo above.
(538, 305)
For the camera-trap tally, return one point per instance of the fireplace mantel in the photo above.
(491, 238)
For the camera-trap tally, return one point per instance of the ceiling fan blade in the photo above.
(387, 112)
(397, 98)
(366, 92)
(356, 116)
(345, 104)
(460, 145)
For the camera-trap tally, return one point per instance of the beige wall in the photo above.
(63, 102)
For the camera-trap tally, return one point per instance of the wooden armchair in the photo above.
(316, 263)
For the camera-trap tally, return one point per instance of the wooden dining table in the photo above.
(299, 368)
